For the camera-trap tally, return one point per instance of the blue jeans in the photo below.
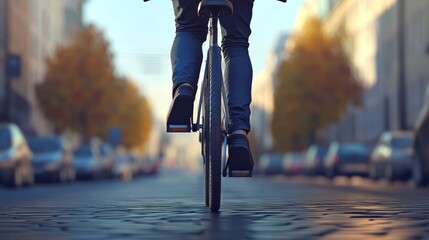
(187, 55)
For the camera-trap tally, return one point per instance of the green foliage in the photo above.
(317, 82)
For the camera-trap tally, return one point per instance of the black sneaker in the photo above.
(179, 117)
(240, 161)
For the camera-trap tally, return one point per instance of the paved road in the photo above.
(170, 206)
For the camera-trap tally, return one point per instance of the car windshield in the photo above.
(353, 148)
(403, 142)
(43, 145)
(83, 151)
(4, 138)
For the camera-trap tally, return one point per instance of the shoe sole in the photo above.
(180, 115)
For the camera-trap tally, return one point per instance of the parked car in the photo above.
(346, 159)
(271, 164)
(150, 165)
(124, 166)
(313, 160)
(107, 154)
(52, 159)
(421, 145)
(392, 156)
(87, 162)
(293, 163)
(15, 157)
(142, 164)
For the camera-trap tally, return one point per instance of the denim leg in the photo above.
(238, 72)
(186, 52)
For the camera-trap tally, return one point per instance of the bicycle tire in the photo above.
(204, 144)
(213, 106)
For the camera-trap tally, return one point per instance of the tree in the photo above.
(317, 82)
(132, 115)
(80, 91)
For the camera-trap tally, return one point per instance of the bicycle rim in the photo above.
(214, 128)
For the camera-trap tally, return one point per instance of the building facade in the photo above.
(31, 30)
(263, 96)
(388, 42)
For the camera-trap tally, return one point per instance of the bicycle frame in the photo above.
(213, 41)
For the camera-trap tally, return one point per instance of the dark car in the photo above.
(52, 159)
(15, 157)
(392, 156)
(348, 159)
(293, 163)
(313, 160)
(421, 145)
(87, 162)
(271, 164)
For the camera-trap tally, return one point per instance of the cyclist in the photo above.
(186, 60)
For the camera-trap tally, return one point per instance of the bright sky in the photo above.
(141, 35)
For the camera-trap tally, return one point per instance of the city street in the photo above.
(170, 206)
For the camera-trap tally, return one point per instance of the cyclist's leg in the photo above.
(186, 59)
(186, 52)
(238, 73)
(238, 77)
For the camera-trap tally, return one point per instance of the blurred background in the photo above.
(340, 88)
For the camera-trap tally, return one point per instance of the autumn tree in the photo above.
(80, 90)
(133, 114)
(317, 83)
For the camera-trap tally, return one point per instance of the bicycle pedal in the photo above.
(240, 173)
(178, 128)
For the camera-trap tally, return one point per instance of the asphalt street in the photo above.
(170, 206)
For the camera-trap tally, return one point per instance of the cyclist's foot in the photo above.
(240, 161)
(179, 117)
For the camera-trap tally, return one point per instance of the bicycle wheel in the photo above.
(204, 143)
(213, 106)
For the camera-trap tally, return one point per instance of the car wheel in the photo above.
(17, 178)
(419, 178)
(389, 173)
(373, 172)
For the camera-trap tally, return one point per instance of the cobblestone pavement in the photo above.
(170, 206)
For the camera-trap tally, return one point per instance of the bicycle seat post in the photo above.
(213, 31)
(214, 9)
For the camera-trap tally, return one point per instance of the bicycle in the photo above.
(212, 113)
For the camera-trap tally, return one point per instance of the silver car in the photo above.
(15, 157)
(52, 159)
(346, 159)
(392, 156)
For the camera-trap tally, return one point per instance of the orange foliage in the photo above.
(79, 91)
(317, 82)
